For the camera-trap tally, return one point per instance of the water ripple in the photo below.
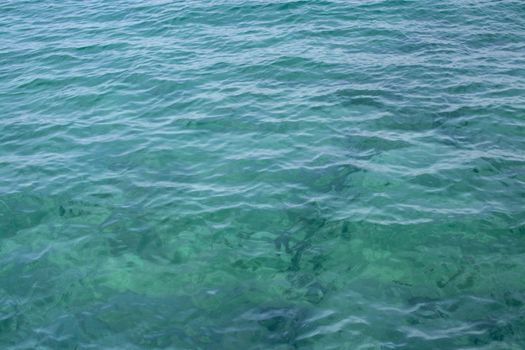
(262, 174)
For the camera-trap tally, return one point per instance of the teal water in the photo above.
(262, 174)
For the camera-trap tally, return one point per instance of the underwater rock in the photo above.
(315, 293)
(283, 324)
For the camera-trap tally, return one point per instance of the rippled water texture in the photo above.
(262, 174)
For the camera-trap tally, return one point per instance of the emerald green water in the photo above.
(262, 174)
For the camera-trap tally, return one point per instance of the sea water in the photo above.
(262, 174)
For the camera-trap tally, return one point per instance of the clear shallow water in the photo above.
(262, 175)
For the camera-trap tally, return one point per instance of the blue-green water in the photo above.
(262, 174)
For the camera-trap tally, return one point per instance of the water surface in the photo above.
(262, 174)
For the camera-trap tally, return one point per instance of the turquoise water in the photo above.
(262, 174)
